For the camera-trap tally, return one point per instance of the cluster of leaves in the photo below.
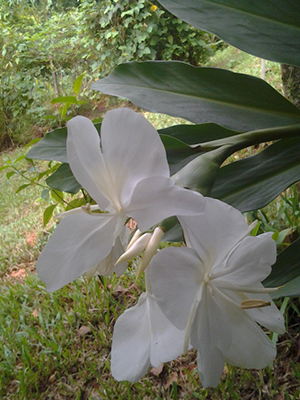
(46, 46)
(230, 112)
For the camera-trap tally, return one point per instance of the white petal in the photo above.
(175, 274)
(210, 333)
(269, 317)
(132, 150)
(215, 232)
(155, 199)
(86, 160)
(107, 266)
(250, 346)
(130, 355)
(78, 243)
(167, 342)
(249, 262)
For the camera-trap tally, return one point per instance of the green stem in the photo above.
(251, 138)
(32, 181)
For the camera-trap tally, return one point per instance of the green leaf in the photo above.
(286, 271)
(236, 101)
(77, 84)
(270, 29)
(10, 174)
(253, 182)
(48, 214)
(57, 196)
(63, 180)
(76, 203)
(64, 100)
(22, 187)
(45, 194)
(51, 147)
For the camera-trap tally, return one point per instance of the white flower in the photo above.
(127, 174)
(207, 287)
(143, 336)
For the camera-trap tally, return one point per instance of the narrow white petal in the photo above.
(130, 355)
(167, 342)
(78, 243)
(175, 275)
(86, 160)
(132, 150)
(155, 199)
(210, 333)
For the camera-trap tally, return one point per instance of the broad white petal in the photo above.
(130, 354)
(78, 243)
(215, 232)
(157, 198)
(250, 347)
(176, 275)
(132, 150)
(249, 263)
(86, 160)
(167, 342)
(210, 333)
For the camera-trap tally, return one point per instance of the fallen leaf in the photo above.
(158, 370)
(84, 330)
(173, 378)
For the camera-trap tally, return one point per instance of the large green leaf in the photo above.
(253, 182)
(63, 180)
(286, 271)
(268, 28)
(52, 147)
(236, 101)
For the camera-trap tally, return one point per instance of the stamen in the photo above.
(252, 303)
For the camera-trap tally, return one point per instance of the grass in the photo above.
(57, 345)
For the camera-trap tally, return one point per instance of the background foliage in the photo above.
(46, 45)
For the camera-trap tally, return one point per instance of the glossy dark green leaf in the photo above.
(236, 101)
(63, 180)
(286, 271)
(268, 29)
(253, 182)
(194, 134)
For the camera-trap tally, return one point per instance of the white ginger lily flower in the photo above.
(127, 174)
(143, 336)
(213, 289)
